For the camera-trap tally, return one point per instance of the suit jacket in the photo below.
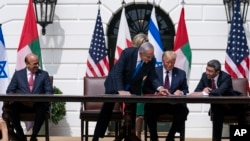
(19, 83)
(122, 72)
(179, 81)
(224, 84)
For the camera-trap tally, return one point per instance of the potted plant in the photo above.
(58, 110)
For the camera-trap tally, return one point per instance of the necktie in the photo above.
(31, 81)
(167, 86)
(213, 84)
(137, 69)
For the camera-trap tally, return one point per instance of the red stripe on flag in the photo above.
(29, 27)
(91, 69)
(129, 43)
(181, 34)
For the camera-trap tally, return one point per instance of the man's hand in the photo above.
(207, 90)
(163, 91)
(178, 92)
(124, 93)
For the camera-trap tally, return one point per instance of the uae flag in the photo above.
(29, 41)
(182, 47)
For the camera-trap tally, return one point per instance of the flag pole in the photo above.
(123, 3)
(99, 4)
(182, 2)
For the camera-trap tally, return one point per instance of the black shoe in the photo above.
(33, 139)
(95, 139)
(21, 137)
(169, 139)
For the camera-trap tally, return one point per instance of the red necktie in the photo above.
(213, 84)
(31, 81)
(167, 86)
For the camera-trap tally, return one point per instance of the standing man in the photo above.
(29, 80)
(175, 81)
(123, 80)
(215, 82)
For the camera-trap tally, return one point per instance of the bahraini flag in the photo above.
(123, 38)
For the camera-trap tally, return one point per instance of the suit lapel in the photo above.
(37, 77)
(174, 77)
(25, 78)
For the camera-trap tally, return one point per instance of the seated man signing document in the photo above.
(175, 82)
(215, 82)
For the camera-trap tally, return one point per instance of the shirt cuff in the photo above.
(158, 89)
(204, 93)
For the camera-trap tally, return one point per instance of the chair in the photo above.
(163, 118)
(25, 117)
(240, 85)
(90, 110)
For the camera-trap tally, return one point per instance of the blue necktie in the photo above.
(137, 69)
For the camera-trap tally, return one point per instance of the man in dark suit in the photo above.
(30, 80)
(215, 82)
(120, 80)
(176, 83)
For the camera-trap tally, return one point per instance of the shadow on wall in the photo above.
(52, 44)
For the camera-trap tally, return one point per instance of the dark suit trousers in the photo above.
(153, 110)
(39, 108)
(219, 111)
(105, 115)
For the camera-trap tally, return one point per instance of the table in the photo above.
(126, 99)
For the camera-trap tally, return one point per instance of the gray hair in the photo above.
(215, 64)
(145, 46)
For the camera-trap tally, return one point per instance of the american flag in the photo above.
(237, 53)
(98, 63)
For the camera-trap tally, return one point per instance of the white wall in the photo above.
(65, 47)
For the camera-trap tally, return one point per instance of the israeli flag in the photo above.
(154, 38)
(4, 79)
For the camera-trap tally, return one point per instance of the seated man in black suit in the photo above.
(216, 82)
(30, 80)
(175, 81)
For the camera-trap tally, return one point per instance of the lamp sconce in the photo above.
(229, 9)
(45, 10)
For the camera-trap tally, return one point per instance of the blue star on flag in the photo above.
(3, 74)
